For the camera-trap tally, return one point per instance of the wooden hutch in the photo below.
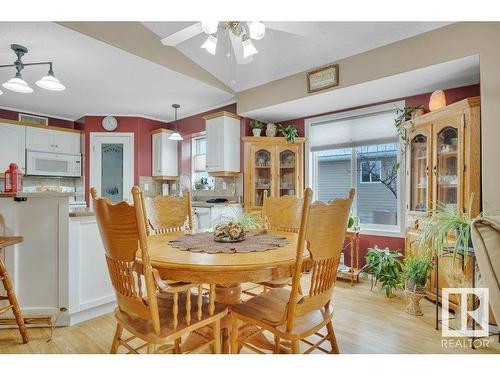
(274, 166)
(443, 165)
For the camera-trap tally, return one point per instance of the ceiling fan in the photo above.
(240, 34)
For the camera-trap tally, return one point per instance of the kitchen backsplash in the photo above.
(154, 188)
(31, 182)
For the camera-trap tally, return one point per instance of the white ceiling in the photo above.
(456, 73)
(100, 79)
(282, 54)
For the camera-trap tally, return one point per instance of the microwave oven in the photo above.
(53, 164)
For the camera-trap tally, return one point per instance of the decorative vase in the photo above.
(256, 132)
(271, 130)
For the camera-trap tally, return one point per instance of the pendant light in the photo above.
(18, 84)
(49, 82)
(257, 30)
(175, 136)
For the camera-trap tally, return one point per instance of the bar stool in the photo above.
(7, 284)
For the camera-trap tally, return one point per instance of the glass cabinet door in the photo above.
(287, 173)
(419, 172)
(262, 175)
(447, 159)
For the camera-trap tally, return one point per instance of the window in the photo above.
(198, 161)
(369, 164)
(370, 171)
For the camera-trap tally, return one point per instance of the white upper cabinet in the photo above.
(49, 140)
(223, 143)
(164, 154)
(12, 142)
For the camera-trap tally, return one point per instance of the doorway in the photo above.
(112, 165)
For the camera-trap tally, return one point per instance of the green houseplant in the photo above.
(256, 127)
(290, 132)
(416, 272)
(402, 115)
(385, 266)
(439, 225)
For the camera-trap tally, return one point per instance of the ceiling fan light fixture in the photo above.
(257, 30)
(209, 27)
(18, 84)
(49, 82)
(248, 48)
(210, 44)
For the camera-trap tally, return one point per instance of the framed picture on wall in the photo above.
(323, 78)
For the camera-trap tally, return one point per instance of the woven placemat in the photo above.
(204, 242)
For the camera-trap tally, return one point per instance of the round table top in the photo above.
(184, 265)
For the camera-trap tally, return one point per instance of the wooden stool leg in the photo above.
(7, 284)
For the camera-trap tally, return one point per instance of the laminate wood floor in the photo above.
(365, 322)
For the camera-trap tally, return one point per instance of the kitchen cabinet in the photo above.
(223, 144)
(164, 155)
(443, 165)
(272, 166)
(12, 146)
(50, 140)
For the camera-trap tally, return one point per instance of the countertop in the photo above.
(38, 194)
(210, 205)
(81, 212)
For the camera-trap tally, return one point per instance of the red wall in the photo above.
(452, 96)
(141, 128)
(13, 115)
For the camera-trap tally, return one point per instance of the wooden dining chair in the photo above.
(166, 213)
(288, 314)
(280, 214)
(149, 309)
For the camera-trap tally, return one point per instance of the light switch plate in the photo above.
(146, 187)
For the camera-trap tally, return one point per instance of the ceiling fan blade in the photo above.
(238, 50)
(297, 28)
(182, 35)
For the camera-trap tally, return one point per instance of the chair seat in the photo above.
(269, 309)
(277, 283)
(144, 329)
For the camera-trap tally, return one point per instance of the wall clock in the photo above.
(109, 123)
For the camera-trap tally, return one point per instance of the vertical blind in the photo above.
(375, 128)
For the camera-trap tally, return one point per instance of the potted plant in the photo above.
(201, 183)
(290, 132)
(447, 228)
(414, 276)
(402, 115)
(385, 267)
(256, 127)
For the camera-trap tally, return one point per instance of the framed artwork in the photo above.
(323, 78)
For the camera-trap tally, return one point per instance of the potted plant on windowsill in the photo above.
(256, 127)
(414, 276)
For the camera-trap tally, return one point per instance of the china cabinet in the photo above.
(274, 166)
(443, 165)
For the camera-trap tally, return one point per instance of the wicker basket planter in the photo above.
(414, 293)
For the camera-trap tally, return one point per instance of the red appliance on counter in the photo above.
(13, 180)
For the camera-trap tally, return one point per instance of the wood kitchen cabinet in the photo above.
(223, 144)
(164, 156)
(50, 140)
(443, 165)
(274, 166)
(12, 146)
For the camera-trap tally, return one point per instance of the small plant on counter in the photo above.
(290, 133)
(201, 183)
(256, 127)
(385, 266)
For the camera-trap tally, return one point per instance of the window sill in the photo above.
(382, 233)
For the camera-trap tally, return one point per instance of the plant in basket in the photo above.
(233, 228)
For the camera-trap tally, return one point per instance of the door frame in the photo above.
(127, 187)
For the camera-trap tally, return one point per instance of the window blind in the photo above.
(375, 128)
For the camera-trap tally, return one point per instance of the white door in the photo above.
(11, 146)
(112, 165)
(38, 139)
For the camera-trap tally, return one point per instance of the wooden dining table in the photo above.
(226, 271)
